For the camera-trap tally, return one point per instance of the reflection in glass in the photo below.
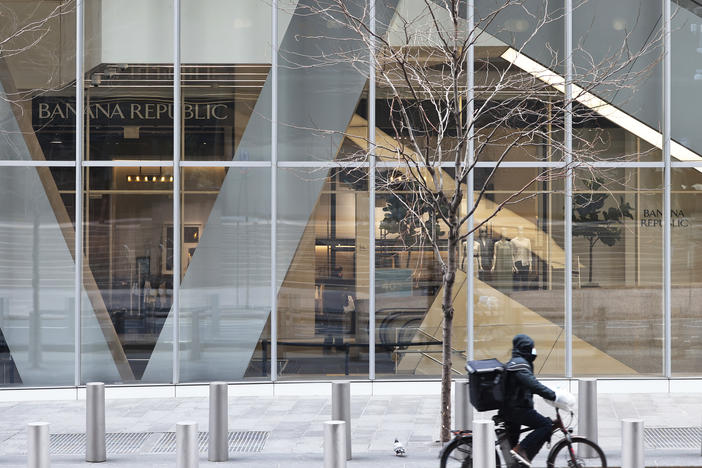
(129, 81)
(37, 96)
(323, 267)
(686, 269)
(518, 265)
(128, 240)
(617, 271)
(37, 305)
(407, 281)
(225, 289)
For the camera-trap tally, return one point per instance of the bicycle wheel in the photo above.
(459, 454)
(564, 456)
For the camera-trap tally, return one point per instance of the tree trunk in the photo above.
(448, 280)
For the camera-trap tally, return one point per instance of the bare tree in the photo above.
(440, 131)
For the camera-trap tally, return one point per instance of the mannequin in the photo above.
(476, 262)
(503, 263)
(486, 254)
(476, 266)
(521, 248)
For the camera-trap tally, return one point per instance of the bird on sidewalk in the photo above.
(399, 449)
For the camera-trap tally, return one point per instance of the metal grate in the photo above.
(135, 442)
(115, 442)
(672, 437)
(243, 441)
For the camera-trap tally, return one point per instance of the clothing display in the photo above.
(521, 250)
(521, 276)
(504, 264)
(486, 253)
(476, 262)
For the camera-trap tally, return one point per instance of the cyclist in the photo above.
(518, 408)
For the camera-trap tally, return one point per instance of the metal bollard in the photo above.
(335, 444)
(587, 415)
(218, 447)
(632, 443)
(38, 445)
(95, 422)
(341, 409)
(187, 453)
(463, 408)
(483, 443)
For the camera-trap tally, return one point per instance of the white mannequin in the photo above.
(503, 238)
(476, 248)
(503, 264)
(521, 247)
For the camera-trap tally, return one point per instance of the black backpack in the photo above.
(486, 384)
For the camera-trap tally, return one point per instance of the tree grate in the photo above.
(672, 437)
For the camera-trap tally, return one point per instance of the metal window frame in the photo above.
(274, 190)
(568, 202)
(666, 143)
(78, 246)
(371, 191)
(177, 224)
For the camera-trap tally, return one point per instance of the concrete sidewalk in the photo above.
(294, 427)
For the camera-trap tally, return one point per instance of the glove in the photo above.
(564, 400)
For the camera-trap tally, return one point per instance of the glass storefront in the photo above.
(274, 147)
(322, 272)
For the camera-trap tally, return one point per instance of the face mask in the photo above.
(532, 356)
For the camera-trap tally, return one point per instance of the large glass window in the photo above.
(686, 76)
(37, 96)
(617, 272)
(518, 264)
(225, 78)
(322, 272)
(129, 81)
(225, 288)
(686, 269)
(37, 300)
(408, 289)
(128, 274)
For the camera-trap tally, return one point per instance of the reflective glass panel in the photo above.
(129, 81)
(128, 275)
(226, 60)
(225, 288)
(518, 264)
(37, 83)
(322, 272)
(686, 76)
(37, 298)
(686, 268)
(617, 272)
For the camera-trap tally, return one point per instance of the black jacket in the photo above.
(521, 385)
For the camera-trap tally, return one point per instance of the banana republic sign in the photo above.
(131, 112)
(654, 218)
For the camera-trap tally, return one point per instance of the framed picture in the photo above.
(191, 237)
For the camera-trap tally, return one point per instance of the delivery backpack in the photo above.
(486, 384)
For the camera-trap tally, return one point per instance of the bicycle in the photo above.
(565, 453)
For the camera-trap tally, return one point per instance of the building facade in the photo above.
(256, 248)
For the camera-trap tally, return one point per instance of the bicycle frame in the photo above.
(567, 442)
(505, 446)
